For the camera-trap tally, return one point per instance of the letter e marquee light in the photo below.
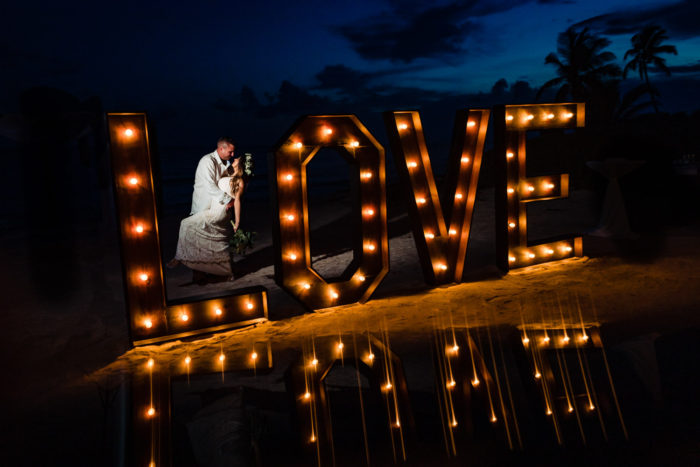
(514, 189)
(292, 154)
(441, 242)
(151, 318)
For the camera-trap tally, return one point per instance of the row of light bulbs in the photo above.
(545, 116)
(546, 251)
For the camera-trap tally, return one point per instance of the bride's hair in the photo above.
(237, 174)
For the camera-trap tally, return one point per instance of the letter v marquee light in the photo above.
(441, 243)
(293, 270)
(152, 318)
(514, 190)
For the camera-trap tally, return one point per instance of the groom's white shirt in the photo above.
(209, 171)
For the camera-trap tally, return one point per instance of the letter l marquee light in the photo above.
(514, 189)
(293, 270)
(152, 318)
(441, 243)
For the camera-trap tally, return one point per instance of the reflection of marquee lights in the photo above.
(152, 319)
(512, 123)
(293, 269)
(433, 243)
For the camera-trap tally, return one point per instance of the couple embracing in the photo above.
(203, 242)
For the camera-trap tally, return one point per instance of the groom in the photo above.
(210, 169)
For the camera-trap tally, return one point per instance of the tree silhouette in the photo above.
(646, 48)
(583, 66)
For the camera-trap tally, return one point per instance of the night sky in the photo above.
(250, 68)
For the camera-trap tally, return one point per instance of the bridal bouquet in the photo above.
(241, 241)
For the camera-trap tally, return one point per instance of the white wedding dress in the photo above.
(203, 241)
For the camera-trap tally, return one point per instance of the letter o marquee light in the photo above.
(292, 154)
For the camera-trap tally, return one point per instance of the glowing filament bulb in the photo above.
(403, 126)
(366, 175)
(369, 212)
(549, 186)
(510, 155)
(139, 228)
(591, 407)
(370, 246)
(511, 225)
(218, 312)
(334, 295)
(184, 317)
(370, 356)
(429, 235)
(420, 200)
(471, 123)
(360, 278)
(530, 188)
(289, 177)
(298, 145)
(412, 164)
(549, 412)
(567, 115)
(250, 305)
(312, 439)
(529, 117)
(531, 255)
(151, 412)
(509, 118)
(306, 286)
(538, 375)
(549, 251)
(584, 337)
(340, 346)
(566, 339)
(148, 323)
(307, 395)
(571, 409)
(510, 191)
(150, 363)
(511, 259)
(129, 132)
(465, 160)
(458, 196)
(454, 422)
(133, 181)
(549, 116)
(453, 232)
(388, 386)
(222, 357)
(451, 384)
(442, 267)
(293, 256)
(475, 382)
(188, 359)
(526, 340)
(354, 144)
(493, 419)
(567, 249)
(454, 348)
(328, 131)
(545, 340)
(314, 362)
(290, 217)
(143, 277)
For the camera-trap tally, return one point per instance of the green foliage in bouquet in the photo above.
(248, 165)
(241, 241)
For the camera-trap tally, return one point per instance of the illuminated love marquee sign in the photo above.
(441, 240)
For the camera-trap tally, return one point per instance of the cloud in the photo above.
(679, 19)
(685, 69)
(410, 31)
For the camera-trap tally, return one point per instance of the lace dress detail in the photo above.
(203, 241)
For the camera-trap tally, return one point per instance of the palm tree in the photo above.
(646, 48)
(583, 66)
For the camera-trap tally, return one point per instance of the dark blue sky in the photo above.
(249, 69)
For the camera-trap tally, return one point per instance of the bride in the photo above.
(203, 243)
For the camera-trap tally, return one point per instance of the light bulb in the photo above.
(442, 267)
(453, 232)
(218, 312)
(531, 255)
(290, 217)
(292, 256)
(529, 117)
(509, 118)
(403, 126)
(307, 395)
(526, 340)
(458, 196)
(328, 131)
(549, 186)
(298, 145)
(370, 356)
(333, 294)
(420, 200)
(511, 225)
(139, 228)
(370, 247)
(510, 155)
(314, 362)
(511, 259)
(184, 317)
(340, 346)
(360, 278)
(511, 191)
(388, 385)
(151, 412)
(128, 132)
(354, 144)
(567, 115)
(549, 251)
(187, 360)
(150, 363)
(222, 357)
(369, 212)
(429, 235)
(549, 116)
(250, 306)
(567, 249)
(412, 164)
(254, 355)
(538, 375)
(289, 177)
(306, 285)
(366, 175)
(148, 323)
(451, 384)
(471, 123)
(465, 160)
(475, 382)
(530, 188)
(143, 277)
(133, 181)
